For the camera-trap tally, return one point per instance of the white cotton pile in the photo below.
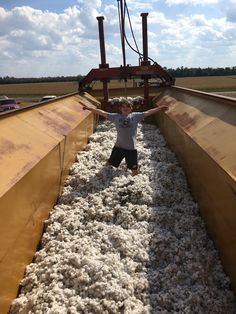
(136, 101)
(121, 244)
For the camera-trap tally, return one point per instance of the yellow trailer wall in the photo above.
(37, 147)
(202, 133)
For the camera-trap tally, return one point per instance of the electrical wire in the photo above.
(131, 28)
(132, 32)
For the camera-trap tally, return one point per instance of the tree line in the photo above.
(178, 72)
(191, 72)
(16, 80)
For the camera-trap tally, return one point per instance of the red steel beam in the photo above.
(102, 42)
(153, 70)
(145, 56)
(145, 39)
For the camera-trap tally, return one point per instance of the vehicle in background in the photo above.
(8, 104)
(48, 97)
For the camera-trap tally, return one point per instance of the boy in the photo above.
(126, 126)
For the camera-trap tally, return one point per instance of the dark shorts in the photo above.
(130, 155)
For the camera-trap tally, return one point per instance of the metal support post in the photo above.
(102, 42)
(145, 57)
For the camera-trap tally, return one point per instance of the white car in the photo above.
(48, 97)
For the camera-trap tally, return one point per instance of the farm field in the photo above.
(209, 83)
(206, 84)
(29, 93)
(38, 89)
(222, 85)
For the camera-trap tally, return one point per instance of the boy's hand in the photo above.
(163, 104)
(163, 107)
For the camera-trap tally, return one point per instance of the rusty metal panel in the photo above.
(37, 147)
(202, 133)
(211, 124)
(23, 209)
(33, 134)
(21, 147)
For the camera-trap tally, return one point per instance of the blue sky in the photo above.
(57, 37)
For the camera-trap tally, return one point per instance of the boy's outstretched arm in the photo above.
(97, 111)
(155, 110)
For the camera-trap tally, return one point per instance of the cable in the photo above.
(131, 28)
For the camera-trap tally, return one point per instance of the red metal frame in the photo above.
(128, 72)
(144, 71)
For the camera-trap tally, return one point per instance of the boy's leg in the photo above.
(131, 158)
(117, 154)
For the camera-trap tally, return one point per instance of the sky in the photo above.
(40, 38)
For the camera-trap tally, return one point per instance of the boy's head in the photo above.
(125, 106)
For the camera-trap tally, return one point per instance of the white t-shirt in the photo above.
(126, 127)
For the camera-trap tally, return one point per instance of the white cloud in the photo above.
(90, 3)
(230, 10)
(140, 5)
(193, 40)
(42, 43)
(191, 2)
(30, 34)
(157, 18)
